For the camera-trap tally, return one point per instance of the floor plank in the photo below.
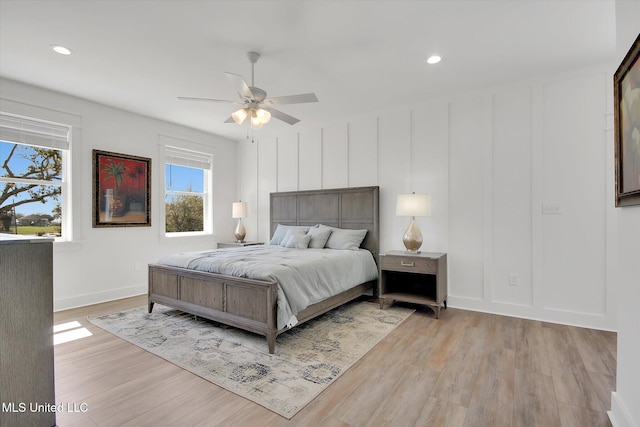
(570, 377)
(535, 404)
(492, 399)
(409, 391)
(440, 413)
(531, 348)
(458, 378)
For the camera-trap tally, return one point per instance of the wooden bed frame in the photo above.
(251, 304)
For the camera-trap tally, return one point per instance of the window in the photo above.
(187, 191)
(34, 158)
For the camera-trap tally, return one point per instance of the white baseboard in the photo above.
(619, 415)
(583, 320)
(60, 304)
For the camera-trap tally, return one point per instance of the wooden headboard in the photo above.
(354, 208)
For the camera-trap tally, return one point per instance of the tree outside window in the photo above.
(187, 196)
(30, 189)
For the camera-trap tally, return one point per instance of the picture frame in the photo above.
(626, 94)
(121, 190)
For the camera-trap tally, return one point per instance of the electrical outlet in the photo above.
(513, 279)
(551, 209)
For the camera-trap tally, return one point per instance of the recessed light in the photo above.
(433, 59)
(61, 49)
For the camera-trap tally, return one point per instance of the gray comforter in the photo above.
(305, 276)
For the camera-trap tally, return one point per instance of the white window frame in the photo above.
(18, 113)
(190, 154)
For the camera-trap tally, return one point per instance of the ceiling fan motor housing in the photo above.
(259, 95)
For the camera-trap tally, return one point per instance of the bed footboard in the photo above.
(244, 303)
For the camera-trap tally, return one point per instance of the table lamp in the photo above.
(413, 205)
(239, 211)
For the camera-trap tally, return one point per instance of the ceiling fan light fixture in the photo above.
(240, 115)
(263, 115)
(256, 123)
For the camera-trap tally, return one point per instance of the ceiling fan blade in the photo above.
(190, 98)
(240, 85)
(282, 116)
(230, 120)
(292, 99)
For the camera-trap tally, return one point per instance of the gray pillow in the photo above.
(343, 238)
(297, 241)
(319, 237)
(281, 230)
(292, 232)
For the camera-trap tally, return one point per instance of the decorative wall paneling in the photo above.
(491, 161)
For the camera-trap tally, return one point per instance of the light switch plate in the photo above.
(551, 208)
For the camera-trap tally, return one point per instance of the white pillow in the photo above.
(298, 241)
(343, 238)
(281, 230)
(319, 237)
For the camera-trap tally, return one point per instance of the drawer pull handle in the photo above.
(407, 264)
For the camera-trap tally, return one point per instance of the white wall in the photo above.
(490, 160)
(625, 401)
(108, 263)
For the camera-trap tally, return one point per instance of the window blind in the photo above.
(192, 159)
(22, 130)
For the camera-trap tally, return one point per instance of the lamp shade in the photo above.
(263, 115)
(239, 210)
(239, 115)
(413, 205)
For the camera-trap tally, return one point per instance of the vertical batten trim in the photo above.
(531, 194)
(537, 163)
(377, 150)
(258, 190)
(321, 158)
(298, 162)
(277, 165)
(410, 151)
(488, 178)
(348, 154)
(449, 221)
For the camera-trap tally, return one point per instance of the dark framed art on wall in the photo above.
(121, 190)
(626, 93)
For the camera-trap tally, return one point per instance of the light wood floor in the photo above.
(465, 369)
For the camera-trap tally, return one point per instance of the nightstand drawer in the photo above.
(409, 264)
(237, 244)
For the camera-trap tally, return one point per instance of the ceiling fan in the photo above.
(254, 101)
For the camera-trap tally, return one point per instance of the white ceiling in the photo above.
(357, 56)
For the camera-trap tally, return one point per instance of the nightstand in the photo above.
(419, 278)
(237, 244)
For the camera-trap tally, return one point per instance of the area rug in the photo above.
(307, 360)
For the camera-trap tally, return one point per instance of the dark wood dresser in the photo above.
(27, 391)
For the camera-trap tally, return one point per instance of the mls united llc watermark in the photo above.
(21, 407)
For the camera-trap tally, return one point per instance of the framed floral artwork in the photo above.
(626, 92)
(121, 190)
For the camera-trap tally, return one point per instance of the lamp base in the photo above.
(240, 232)
(412, 238)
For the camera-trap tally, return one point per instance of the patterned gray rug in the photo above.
(308, 358)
